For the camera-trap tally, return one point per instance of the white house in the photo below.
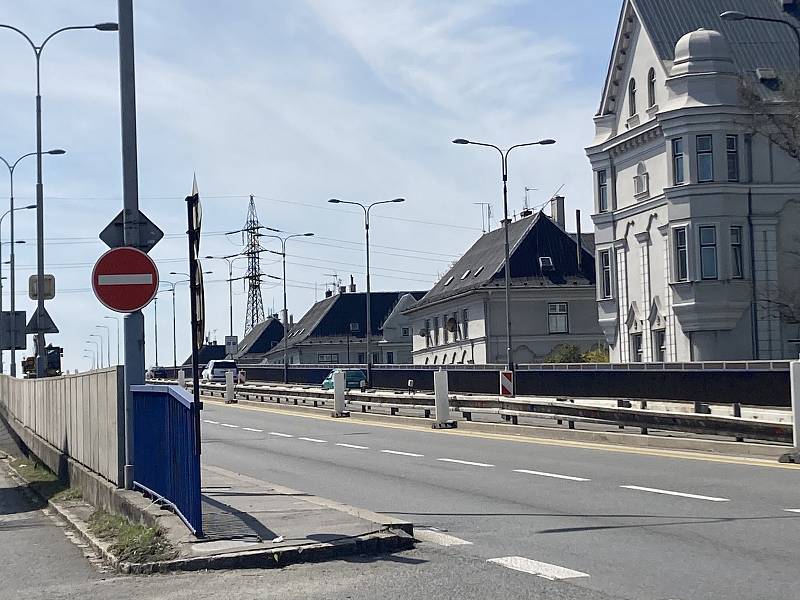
(696, 215)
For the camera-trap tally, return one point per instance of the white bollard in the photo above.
(794, 386)
(338, 395)
(230, 389)
(442, 401)
(181, 378)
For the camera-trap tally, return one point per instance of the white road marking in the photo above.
(315, 440)
(464, 462)
(210, 421)
(127, 279)
(794, 510)
(554, 475)
(278, 434)
(402, 453)
(534, 567)
(252, 429)
(227, 425)
(353, 446)
(426, 535)
(670, 493)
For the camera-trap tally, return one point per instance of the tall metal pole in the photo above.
(155, 325)
(369, 311)
(230, 292)
(174, 342)
(1, 288)
(507, 269)
(134, 322)
(41, 355)
(285, 318)
(118, 334)
(12, 286)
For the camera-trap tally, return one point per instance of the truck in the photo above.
(53, 353)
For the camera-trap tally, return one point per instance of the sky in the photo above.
(294, 102)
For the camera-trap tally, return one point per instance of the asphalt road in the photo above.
(633, 524)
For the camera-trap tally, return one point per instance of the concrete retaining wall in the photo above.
(79, 416)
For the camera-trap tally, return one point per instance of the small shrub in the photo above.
(565, 353)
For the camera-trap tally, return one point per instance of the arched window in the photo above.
(641, 181)
(632, 96)
(651, 88)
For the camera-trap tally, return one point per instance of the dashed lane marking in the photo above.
(279, 434)
(442, 539)
(229, 425)
(253, 429)
(465, 462)
(792, 510)
(354, 446)
(397, 452)
(210, 421)
(315, 440)
(671, 493)
(553, 475)
(534, 567)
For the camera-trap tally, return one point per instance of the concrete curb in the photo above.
(721, 447)
(394, 536)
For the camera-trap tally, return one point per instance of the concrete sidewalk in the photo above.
(248, 522)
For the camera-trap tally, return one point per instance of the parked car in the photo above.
(352, 379)
(216, 369)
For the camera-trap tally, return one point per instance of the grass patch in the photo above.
(129, 541)
(67, 494)
(40, 479)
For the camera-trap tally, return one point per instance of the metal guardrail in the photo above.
(569, 410)
(166, 465)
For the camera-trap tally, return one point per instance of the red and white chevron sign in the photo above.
(506, 383)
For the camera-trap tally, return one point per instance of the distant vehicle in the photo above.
(216, 369)
(54, 354)
(160, 373)
(352, 379)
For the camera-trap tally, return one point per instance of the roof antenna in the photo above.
(488, 215)
(526, 206)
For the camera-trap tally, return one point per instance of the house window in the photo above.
(659, 345)
(558, 317)
(705, 159)
(445, 332)
(732, 147)
(677, 161)
(651, 88)
(323, 359)
(427, 359)
(636, 347)
(632, 97)
(455, 329)
(436, 359)
(427, 333)
(375, 358)
(406, 331)
(390, 358)
(681, 255)
(602, 191)
(605, 273)
(737, 265)
(708, 252)
(641, 182)
(435, 331)
(465, 323)
(361, 356)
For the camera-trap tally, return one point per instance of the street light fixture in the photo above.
(282, 240)
(230, 259)
(735, 15)
(41, 357)
(97, 353)
(99, 337)
(118, 336)
(172, 285)
(507, 268)
(108, 343)
(366, 209)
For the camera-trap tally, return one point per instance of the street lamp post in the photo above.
(117, 320)
(11, 167)
(94, 363)
(108, 343)
(366, 209)
(230, 259)
(735, 15)
(100, 355)
(89, 356)
(172, 285)
(506, 221)
(282, 240)
(155, 325)
(11, 274)
(41, 360)
(97, 353)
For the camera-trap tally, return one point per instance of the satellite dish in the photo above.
(451, 325)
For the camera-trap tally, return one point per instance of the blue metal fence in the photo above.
(166, 462)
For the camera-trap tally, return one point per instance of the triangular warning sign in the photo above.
(47, 323)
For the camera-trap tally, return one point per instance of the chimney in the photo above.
(557, 211)
(291, 321)
(342, 289)
(328, 293)
(352, 285)
(578, 237)
(526, 212)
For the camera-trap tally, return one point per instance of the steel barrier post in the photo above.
(794, 384)
(230, 388)
(338, 395)
(442, 401)
(181, 378)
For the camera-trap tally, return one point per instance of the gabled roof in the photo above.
(212, 351)
(753, 44)
(261, 338)
(529, 239)
(332, 316)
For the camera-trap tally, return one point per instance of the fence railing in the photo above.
(166, 461)
(80, 415)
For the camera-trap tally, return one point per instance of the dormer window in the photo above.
(465, 275)
(651, 88)
(449, 280)
(546, 263)
(641, 181)
(632, 96)
(478, 272)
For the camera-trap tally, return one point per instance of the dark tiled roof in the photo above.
(261, 338)
(332, 316)
(208, 352)
(529, 238)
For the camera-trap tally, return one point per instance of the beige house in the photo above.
(696, 215)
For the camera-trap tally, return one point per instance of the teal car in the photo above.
(352, 379)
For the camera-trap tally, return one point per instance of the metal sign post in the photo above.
(194, 214)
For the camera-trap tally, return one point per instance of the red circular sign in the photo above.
(125, 279)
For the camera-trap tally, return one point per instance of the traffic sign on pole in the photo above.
(125, 279)
(506, 383)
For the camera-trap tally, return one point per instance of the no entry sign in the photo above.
(125, 279)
